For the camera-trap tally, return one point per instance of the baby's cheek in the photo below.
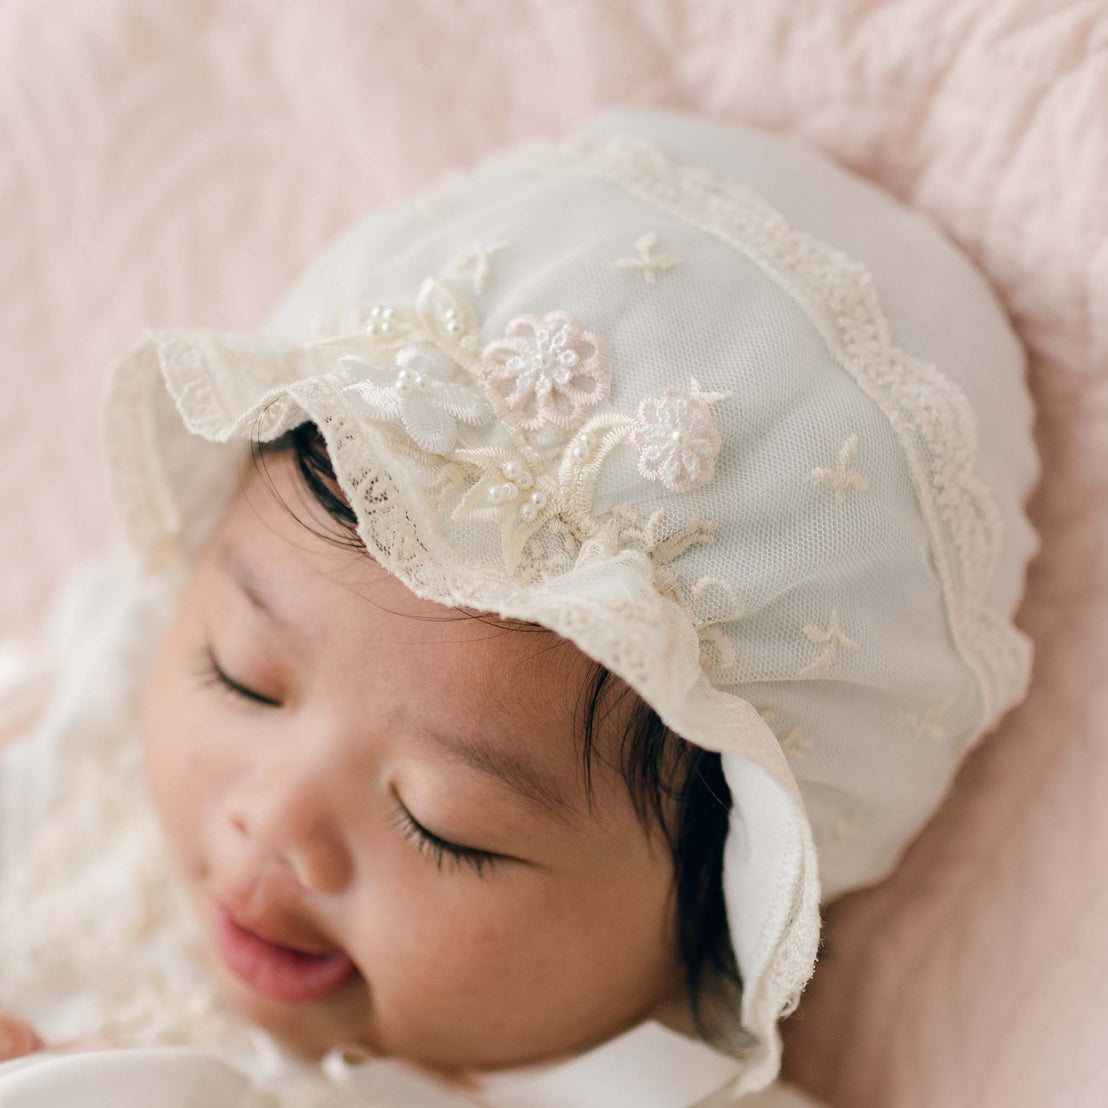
(174, 748)
(506, 976)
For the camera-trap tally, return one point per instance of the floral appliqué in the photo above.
(547, 371)
(676, 437)
(417, 388)
(423, 366)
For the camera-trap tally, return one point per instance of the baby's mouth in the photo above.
(278, 972)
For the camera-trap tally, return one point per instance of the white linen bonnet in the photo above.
(698, 399)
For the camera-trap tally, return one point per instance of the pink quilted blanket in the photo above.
(165, 164)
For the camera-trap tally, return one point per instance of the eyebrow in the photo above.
(505, 766)
(247, 582)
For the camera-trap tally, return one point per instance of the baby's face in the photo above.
(361, 711)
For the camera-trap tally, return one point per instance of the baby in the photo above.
(349, 770)
(583, 572)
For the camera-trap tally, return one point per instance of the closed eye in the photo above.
(212, 673)
(439, 848)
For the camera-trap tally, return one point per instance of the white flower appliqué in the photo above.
(676, 437)
(547, 371)
(417, 389)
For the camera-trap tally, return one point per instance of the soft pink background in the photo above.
(166, 163)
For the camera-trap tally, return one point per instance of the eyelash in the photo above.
(211, 673)
(441, 849)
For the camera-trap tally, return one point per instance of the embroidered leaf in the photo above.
(430, 427)
(377, 402)
(463, 401)
(449, 317)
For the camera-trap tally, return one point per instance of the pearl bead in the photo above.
(421, 381)
(538, 499)
(453, 326)
(371, 328)
(524, 480)
(511, 469)
(510, 491)
(496, 494)
(528, 511)
(675, 435)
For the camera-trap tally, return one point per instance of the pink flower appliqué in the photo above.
(547, 371)
(676, 437)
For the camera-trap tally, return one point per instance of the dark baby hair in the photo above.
(657, 764)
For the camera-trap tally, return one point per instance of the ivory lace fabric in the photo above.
(706, 404)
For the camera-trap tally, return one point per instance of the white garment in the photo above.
(182, 1077)
(98, 938)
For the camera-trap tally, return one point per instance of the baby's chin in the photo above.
(312, 1029)
(341, 1021)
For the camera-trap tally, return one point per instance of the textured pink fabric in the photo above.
(166, 164)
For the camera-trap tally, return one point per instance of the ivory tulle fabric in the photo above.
(706, 404)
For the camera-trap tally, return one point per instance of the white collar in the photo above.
(650, 1066)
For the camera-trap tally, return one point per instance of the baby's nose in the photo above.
(288, 820)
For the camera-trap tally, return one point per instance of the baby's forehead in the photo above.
(294, 576)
